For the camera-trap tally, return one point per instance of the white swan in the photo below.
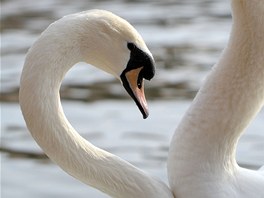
(201, 161)
(107, 42)
(202, 154)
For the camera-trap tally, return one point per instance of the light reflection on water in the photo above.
(186, 38)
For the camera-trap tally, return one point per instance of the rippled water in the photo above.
(185, 37)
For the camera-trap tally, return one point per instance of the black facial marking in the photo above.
(138, 58)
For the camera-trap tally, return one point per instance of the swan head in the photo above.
(117, 48)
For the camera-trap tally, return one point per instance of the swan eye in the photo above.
(139, 84)
(140, 79)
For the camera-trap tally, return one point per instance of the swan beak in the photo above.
(133, 82)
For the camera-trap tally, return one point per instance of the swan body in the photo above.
(201, 160)
(113, 45)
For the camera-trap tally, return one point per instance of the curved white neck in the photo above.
(46, 64)
(204, 143)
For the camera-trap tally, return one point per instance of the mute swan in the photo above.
(113, 45)
(201, 160)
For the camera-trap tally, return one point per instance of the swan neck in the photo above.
(204, 144)
(45, 66)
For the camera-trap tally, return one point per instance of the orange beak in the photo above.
(134, 84)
